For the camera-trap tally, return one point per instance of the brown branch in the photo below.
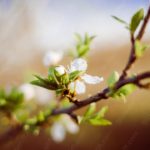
(102, 95)
(14, 131)
(132, 57)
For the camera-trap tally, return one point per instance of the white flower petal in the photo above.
(52, 58)
(72, 87)
(91, 79)
(78, 64)
(70, 125)
(28, 91)
(60, 70)
(80, 87)
(58, 132)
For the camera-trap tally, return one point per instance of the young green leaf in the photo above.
(94, 118)
(82, 50)
(44, 85)
(98, 122)
(114, 77)
(140, 48)
(83, 44)
(32, 121)
(74, 75)
(3, 102)
(136, 19)
(65, 79)
(127, 89)
(40, 116)
(90, 110)
(124, 91)
(88, 39)
(101, 112)
(120, 20)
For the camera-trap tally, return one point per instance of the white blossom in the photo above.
(91, 79)
(28, 91)
(78, 86)
(58, 132)
(63, 125)
(52, 58)
(60, 70)
(70, 125)
(78, 64)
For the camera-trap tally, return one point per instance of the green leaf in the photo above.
(82, 50)
(83, 45)
(2, 93)
(136, 19)
(127, 89)
(124, 91)
(90, 110)
(65, 103)
(65, 79)
(74, 75)
(40, 116)
(98, 122)
(88, 39)
(47, 112)
(140, 48)
(32, 121)
(94, 119)
(59, 91)
(44, 85)
(120, 20)
(101, 112)
(51, 75)
(114, 77)
(22, 115)
(3, 102)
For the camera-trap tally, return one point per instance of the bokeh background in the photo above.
(31, 28)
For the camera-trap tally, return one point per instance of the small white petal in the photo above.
(91, 79)
(80, 87)
(58, 132)
(60, 70)
(28, 91)
(72, 87)
(52, 58)
(71, 126)
(78, 64)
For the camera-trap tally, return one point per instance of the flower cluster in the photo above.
(77, 86)
(70, 80)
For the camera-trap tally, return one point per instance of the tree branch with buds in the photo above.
(67, 83)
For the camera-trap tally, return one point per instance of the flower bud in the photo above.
(60, 70)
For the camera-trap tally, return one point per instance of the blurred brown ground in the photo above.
(131, 121)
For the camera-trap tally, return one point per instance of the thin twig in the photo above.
(132, 57)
